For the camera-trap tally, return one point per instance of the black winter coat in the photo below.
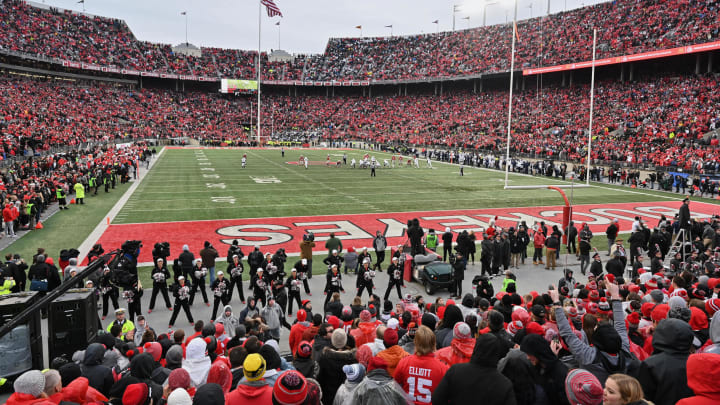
(615, 267)
(331, 375)
(99, 377)
(460, 383)
(663, 375)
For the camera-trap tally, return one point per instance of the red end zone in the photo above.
(359, 230)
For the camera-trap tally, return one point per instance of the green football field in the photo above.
(209, 184)
(191, 184)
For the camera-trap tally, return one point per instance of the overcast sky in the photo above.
(306, 25)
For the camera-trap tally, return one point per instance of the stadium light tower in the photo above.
(485, 6)
(456, 8)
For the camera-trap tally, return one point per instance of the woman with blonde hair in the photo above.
(621, 389)
(421, 373)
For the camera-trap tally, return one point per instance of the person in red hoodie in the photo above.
(703, 374)
(296, 331)
(461, 346)
(365, 332)
(253, 389)
(421, 373)
(10, 213)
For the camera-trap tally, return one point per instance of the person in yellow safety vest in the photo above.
(431, 240)
(509, 279)
(6, 285)
(126, 324)
(60, 194)
(79, 193)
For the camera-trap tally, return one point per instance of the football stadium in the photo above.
(528, 205)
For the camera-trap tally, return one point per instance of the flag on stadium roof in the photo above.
(183, 13)
(358, 27)
(272, 8)
(436, 22)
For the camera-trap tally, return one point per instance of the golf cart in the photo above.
(428, 269)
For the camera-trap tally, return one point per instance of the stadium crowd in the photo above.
(660, 121)
(29, 187)
(642, 336)
(625, 27)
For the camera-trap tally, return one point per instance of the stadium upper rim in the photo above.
(689, 48)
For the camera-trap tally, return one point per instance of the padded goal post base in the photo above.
(566, 207)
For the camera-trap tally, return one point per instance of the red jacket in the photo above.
(419, 376)
(538, 240)
(365, 333)
(296, 335)
(250, 394)
(703, 374)
(459, 351)
(10, 213)
(27, 399)
(79, 391)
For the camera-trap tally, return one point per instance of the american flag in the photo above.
(272, 8)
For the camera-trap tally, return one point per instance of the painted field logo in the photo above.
(266, 180)
(358, 230)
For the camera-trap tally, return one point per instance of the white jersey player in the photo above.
(305, 162)
(386, 163)
(352, 163)
(243, 161)
(416, 162)
(429, 163)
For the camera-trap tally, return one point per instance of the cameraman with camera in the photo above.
(160, 274)
(161, 250)
(234, 250)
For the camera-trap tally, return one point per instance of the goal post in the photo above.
(566, 209)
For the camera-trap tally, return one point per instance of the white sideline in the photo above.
(103, 225)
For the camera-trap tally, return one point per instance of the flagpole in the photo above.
(592, 98)
(278, 25)
(512, 68)
(258, 130)
(186, 30)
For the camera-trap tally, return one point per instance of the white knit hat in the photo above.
(179, 397)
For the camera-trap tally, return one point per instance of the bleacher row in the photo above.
(624, 27)
(658, 121)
